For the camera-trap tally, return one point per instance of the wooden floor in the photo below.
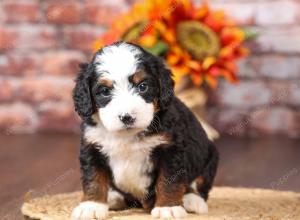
(36, 165)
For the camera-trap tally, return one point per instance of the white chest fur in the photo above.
(129, 158)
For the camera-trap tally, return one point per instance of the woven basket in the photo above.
(195, 99)
(224, 203)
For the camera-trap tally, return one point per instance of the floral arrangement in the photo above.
(195, 41)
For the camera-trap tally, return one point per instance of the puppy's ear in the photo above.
(166, 84)
(81, 93)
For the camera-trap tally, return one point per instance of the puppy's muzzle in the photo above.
(127, 119)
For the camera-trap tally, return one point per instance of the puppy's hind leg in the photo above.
(116, 200)
(193, 202)
(195, 199)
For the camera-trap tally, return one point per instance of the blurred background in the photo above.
(43, 41)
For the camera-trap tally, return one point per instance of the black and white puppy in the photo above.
(140, 146)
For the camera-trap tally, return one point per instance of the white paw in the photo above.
(194, 203)
(168, 212)
(90, 210)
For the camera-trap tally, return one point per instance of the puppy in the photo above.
(140, 145)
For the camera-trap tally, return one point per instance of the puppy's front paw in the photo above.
(194, 203)
(90, 210)
(168, 212)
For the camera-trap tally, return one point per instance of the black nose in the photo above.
(127, 119)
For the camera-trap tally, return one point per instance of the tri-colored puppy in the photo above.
(140, 146)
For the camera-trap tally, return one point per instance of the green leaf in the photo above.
(134, 32)
(250, 34)
(158, 49)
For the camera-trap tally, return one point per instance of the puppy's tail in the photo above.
(210, 171)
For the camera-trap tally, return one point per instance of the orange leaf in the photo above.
(172, 59)
(201, 12)
(178, 73)
(226, 52)
(148, 40)
(208, 62)
(97, 45)
(211, 81)
(195, 65)
(197, 79)
(229, 76)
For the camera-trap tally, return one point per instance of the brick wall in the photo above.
(41, 44)
(42, 41)
(267, 100)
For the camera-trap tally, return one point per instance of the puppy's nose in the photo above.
(127, 119)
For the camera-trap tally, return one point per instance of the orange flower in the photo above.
(198, 42)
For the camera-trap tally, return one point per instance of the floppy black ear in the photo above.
(166, 85)
(81, 93)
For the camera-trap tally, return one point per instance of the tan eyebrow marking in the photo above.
(106, 82)
(138, 77)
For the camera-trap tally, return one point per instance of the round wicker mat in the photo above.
(224, 203)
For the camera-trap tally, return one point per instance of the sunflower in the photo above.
(195, 41)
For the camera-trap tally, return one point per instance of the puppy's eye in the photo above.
(105, 92)
(143, 87)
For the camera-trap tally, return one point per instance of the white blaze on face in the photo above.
(118, 63)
